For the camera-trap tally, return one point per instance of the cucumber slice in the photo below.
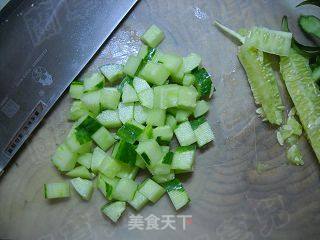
(183, 158)
(109, 167)
(188, 79)
(97, 157)
(81, 172)
(130, 132)
(202, 107)
(113, 72)
(132, 65)
(191, 62)
(125, 112)
(146, 98)
(163, 178)
(129, 95)
(156, 117)
(114, 210)
(56, 190)
(83, 187)
(109, 98)
(109, 119)
(78, 110)
(140, 113)
(154, 73)
(76, 90)
(151, 190)
(165, 133)
(103, 138)
(153, 36)
(263, 83)
(138, 201)
(85, 160)
(126, 153)
(125, 189)
(171, 61)
(140, 85)
(93, 82)
(178, 195)
(204, 134)
(92, 101)
(185, 134)
(270, 41)
(64, 159)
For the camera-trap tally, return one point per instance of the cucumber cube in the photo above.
(146, 98)
(83, 187)
(85, 160)
(75, 146)
(188, 79)
(109, 167)
(151, 190)
(152, 149)
(183, 158)
(140, 113)
(140, 85)
(125, 189)
(183, 115)
(106, 185)
(155, 73)
(202, 107)
(80, 171)
(76, 90)
(171, 121)
(93, 82)
(204, 134)
(163, 177)
(138, 201)
(64, 159)
(187, 97)
(109, 119)
(56, 190)
(185, 134)
(103, 138)
(140, 163)
(126, 112)
(77, 110)
(114, 210)
(165, 133)
(153, 36)
(129, 95)
(178, 195)
(97, 157)
(92, 101)
(110, 98)
(171, 62)
(113, 72)
(143, 51)
(132, 65)
(127, 171)
(177, 77)
(190, 62)
(156, 117)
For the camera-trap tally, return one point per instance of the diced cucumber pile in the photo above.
(130, 125)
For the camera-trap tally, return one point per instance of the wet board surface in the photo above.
(231, 199)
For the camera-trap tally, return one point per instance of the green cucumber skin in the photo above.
(304, 94)
(263, 83)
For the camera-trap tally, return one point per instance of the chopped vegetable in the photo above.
(83, 187)
(151, 190)
(113, 72)
(177, 193)
(56, 190)
(114, 210)
(153, 36)
(310, 25)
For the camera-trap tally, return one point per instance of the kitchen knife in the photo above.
(44, 45)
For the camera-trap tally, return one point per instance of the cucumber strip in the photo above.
(129, 95)
(78, 110)
(171, 62)
(146, 98)
(232, 33)
(138, 201)
(263, 83)
(76, 90)
(188, 79)
(103, 138)
(171, 121)
(154, 73)
(127, 171)
(185, 134)
(83, 187)
(140, 85)
(165, 133)
(125, 189)
(202, 107)
(156, 117)
(178, 195)
(294, 155)
(109, 167)
(304, 94)
(203, 82)
(191, 62)
(125, 112)
(114, 210)
(113, 72)
(204, 134)
(151, 190)
(140, 113)
(163, 178)
(310, 25)
(129, 132)
(109, 98)
(56, 190)
(85, 160)
(93, 82)
(153, 36)
(92, 101)
(151, 149)
(109, 119)
(132, 65)
(80, 171)
(64, 159)
(126, 153)
(183, 158)
(187, 97)
(97, 157)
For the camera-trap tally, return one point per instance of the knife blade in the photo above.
(44, 45)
